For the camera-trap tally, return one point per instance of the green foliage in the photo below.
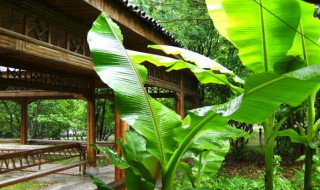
(148, 117)
(113, 157)
(52, 118)
(263, 93)
(56, 119)
(315, 180)
(28, 185)
(237, 182)
(9, 119)
(263, 28)
(104, 119)
(204, 75)
(100, 184)
(189, 22)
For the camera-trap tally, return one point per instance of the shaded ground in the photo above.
(251, 170)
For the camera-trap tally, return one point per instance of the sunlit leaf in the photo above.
(264, 92)
(263, 31)
(113, 157)
(306, 43)
(293, 135)
(147, 116)
(99, 183)
(203, 75)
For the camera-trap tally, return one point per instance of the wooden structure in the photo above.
(44, 55)
(17, 157)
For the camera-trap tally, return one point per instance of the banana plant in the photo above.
(270, 39)
(146, 116)
(307, 47)
(263, 93)
(212, 72)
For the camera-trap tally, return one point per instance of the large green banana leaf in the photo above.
(203, 75)
(209, 163)
(305, 46)
(211, 142)
(147, 116)
(201, 61)
(193, 57)
(144, 168)
(113, 157)
(264, 92)
(306, 43)
(262, 30)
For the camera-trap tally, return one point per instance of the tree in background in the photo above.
(104, 119)
(9, 119)
(56, 119)
(189, 22)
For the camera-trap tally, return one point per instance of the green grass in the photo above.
(28, 185)
(66, 161)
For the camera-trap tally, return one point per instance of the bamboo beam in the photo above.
(151, 81)
(133, 25)
(19, 83)
(38, 94)
(19, 42)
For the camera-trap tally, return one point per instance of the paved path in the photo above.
(72, 182)
(68, 179)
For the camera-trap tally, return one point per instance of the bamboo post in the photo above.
(196, 98)
(180, 99)
(91, 129)
(117, 172)
(23, 123)
(120, 129)
(123, 129)
(178, 103)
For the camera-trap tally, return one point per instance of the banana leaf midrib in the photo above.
(145, 97)
(303, 43)
(153, 119)
(257, 88)
(263, 35)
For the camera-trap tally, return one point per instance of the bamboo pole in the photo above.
(117, 172)
(91, 129)
(23, 123)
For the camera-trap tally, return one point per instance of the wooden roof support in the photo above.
(33, 95)
(117, 172)
(24, 122)
(180, 98)
(91, 128)
(120, 129)
(132, 26)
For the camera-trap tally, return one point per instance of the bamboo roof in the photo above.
(43, 44)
